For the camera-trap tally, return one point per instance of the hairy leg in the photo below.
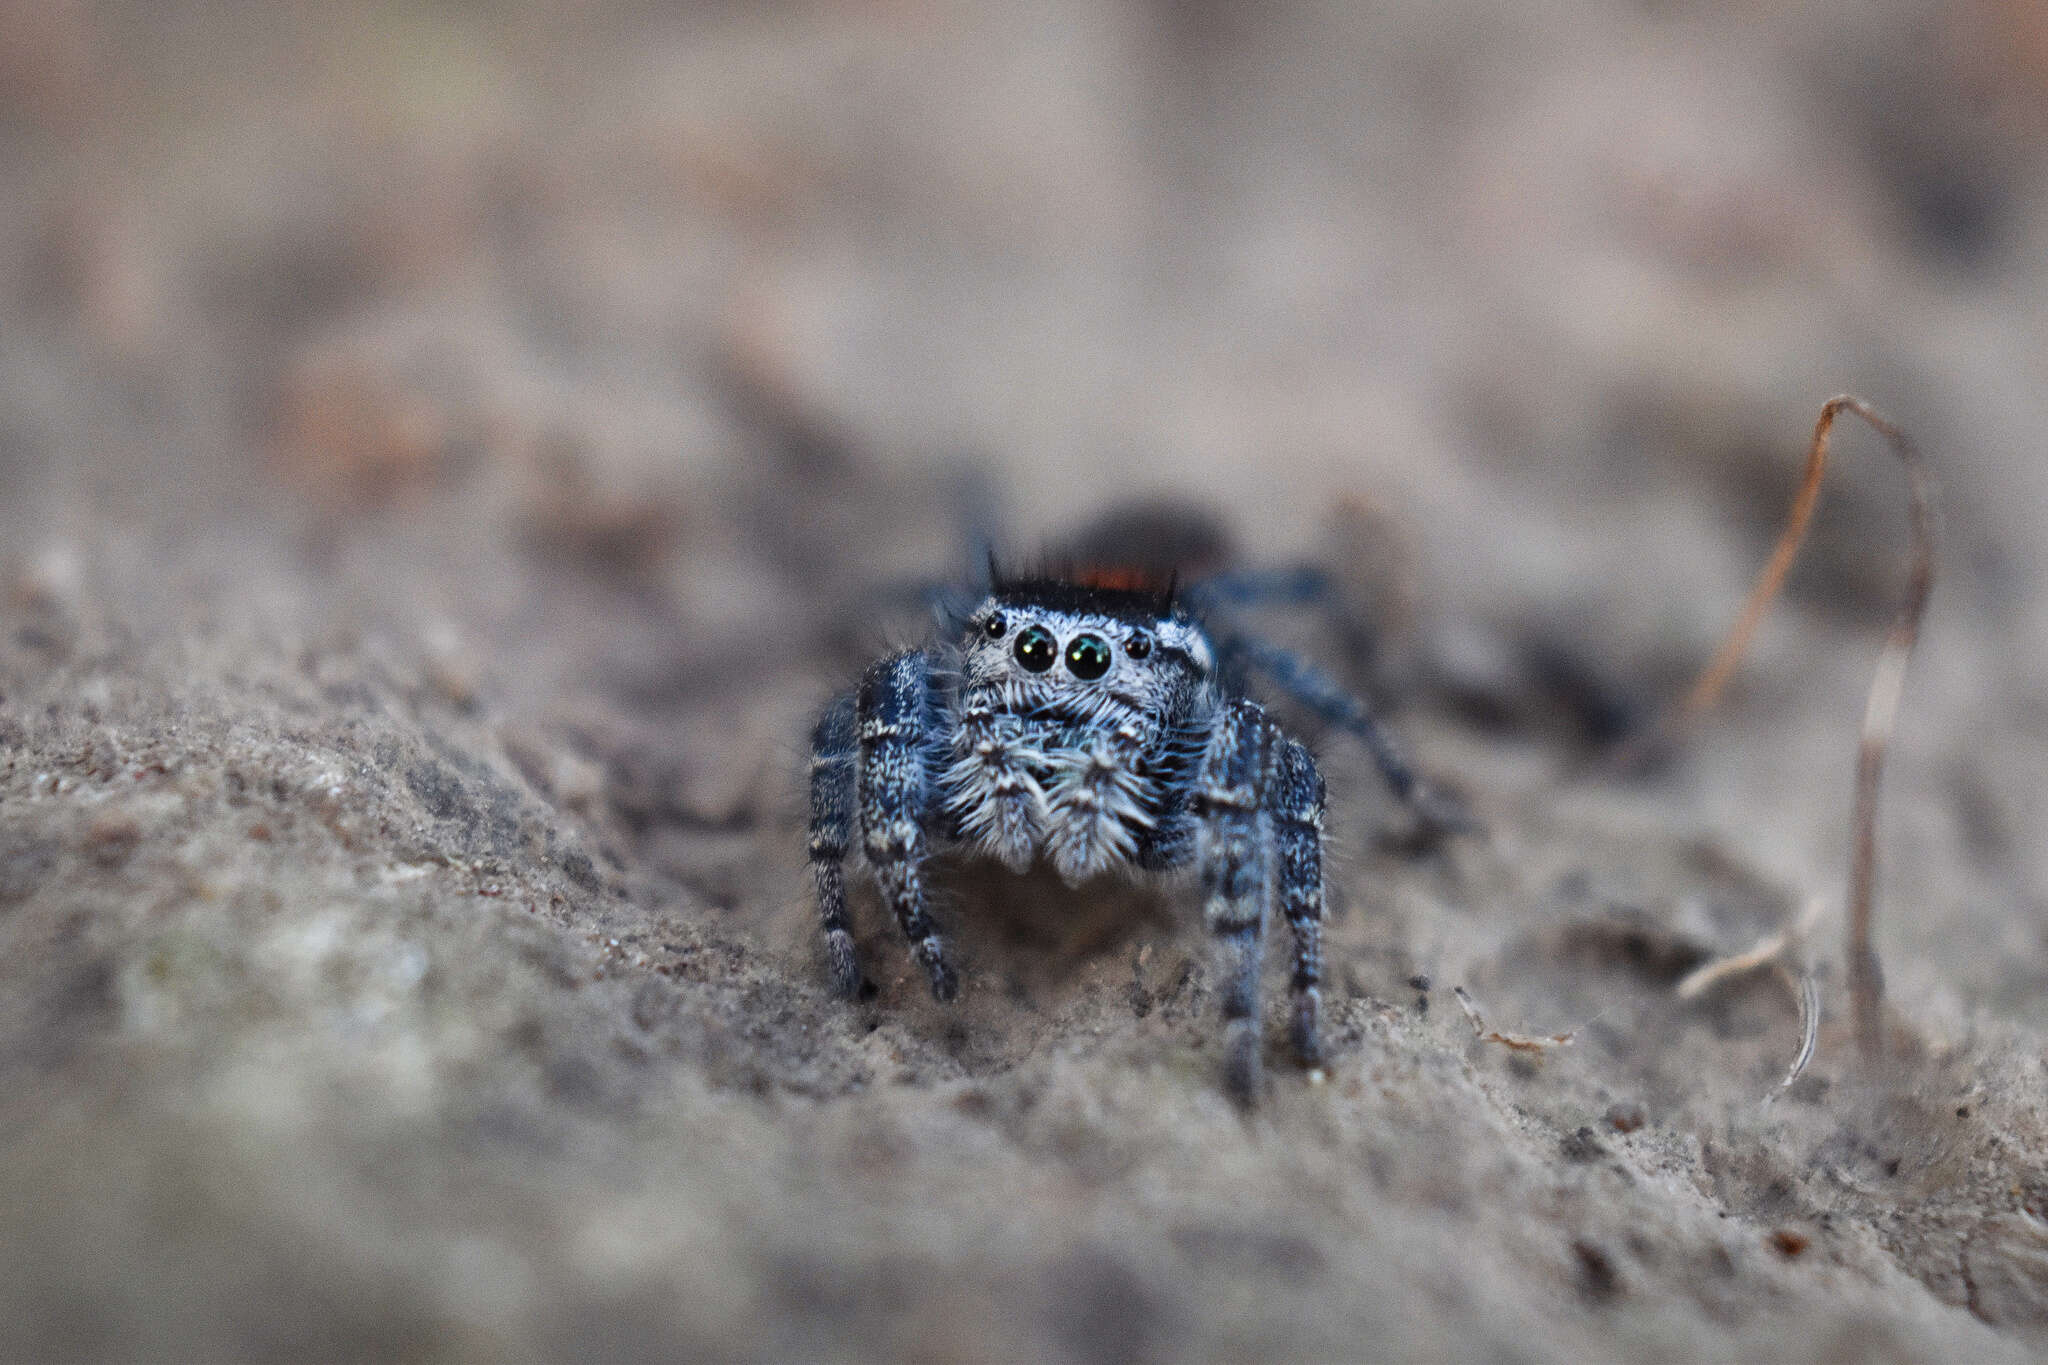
(1293, 586)
(1098, 805)
(894, 726)
(1002, 807)
(1329, 699)
(1296, 802)
(1234, 846)
(1290, 586)
(832, 813)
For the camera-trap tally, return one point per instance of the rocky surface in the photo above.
(447, 456)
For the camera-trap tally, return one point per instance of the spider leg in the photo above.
(999, 803)
(1234, 849)
(1170, 845)
(1329, 699)
(832, 811)
(1296, 802)
(1094, 803)
(894, 716)
(1172, 764)
(1297, 585)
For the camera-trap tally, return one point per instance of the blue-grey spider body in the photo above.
(1096, 728)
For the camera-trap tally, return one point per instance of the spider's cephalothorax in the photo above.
(1095, 727)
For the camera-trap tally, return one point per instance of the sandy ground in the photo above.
(448, 453)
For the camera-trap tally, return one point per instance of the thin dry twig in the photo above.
(1706, 691)
(1770, 951)
(1519, 1042)
(1767, 950)
(1802, 982)
(1880, 713)
(1880, 717)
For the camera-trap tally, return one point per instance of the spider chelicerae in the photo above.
(1099, 724)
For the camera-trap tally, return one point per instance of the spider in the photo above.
(1099, 723)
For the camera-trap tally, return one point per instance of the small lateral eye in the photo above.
(1036, 648)
(995, 626)
(1088, 657)
(1139, 646)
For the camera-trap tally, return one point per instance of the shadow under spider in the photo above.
(1029, 935)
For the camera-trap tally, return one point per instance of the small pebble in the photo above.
(1581, 1146)
(1789, 1243)
(1625, 1116)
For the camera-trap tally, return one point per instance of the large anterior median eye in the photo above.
(1088, 657)
(1036, 648)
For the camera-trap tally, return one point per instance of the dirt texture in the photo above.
(449, 453)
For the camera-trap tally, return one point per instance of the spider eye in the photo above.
(996, 626)
(1036, 648)
(1139, 646)
(1088, 657)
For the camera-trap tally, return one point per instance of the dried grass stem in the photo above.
(1880, 712)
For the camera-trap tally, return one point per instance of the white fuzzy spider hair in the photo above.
(1091, 723)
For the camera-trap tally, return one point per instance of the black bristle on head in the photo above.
(1112, 591)
(1157, 537)
(1128, 563)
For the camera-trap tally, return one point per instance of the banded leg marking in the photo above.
(1297, 802)
(832, 812)
(1234, 847)
(894, 727)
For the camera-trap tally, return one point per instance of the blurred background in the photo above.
(1567, 252)
(1518, 315)
(608, 375)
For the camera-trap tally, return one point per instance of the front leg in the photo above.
(997, 802)
(1098, 800)
(895, 723)
(832, 811)
(1437, 813)
(1296, 802)
(1234, 850)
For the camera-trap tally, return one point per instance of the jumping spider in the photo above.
(1097, 724)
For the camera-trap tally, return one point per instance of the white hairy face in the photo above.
(1069, 698)
(1048, 650)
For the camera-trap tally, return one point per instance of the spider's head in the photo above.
(1088, 630)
